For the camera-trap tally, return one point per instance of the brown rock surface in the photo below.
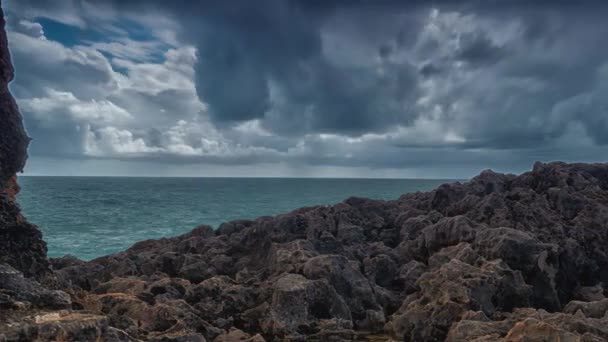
(57, 326)
(456, 263)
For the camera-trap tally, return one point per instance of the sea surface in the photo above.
(93, 216)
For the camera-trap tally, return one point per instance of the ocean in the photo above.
(93, 216)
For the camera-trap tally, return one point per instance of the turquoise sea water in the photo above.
(94, 216)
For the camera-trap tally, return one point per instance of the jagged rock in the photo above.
(65, 261)
(589, 293)
(530, 325)
(381, 269)
(117, 335)
(417, 266)
(475, 330)
(291, 257)
(222, 298)
(522, 251)
(178, 336)
(534, 330)
(21, 244)
(14, 285)
(299, 304)
(409, 274)
(451, 290)
(447, 232)
(598, 309)
(235, 335)
(462, 251)
(348, 282)
(57, 326)
(144, 318)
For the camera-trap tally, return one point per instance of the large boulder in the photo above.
(302, 307)
(449, 291)
(530, 325)
(62, 326)
(16, 290)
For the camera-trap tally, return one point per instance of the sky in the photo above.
(289, 88)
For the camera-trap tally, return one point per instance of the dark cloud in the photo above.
(478, 49)
(429, 69)
(246, 48)
(346, 83)
(271, 56)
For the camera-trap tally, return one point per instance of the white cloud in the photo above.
(57, 103)
(42, 63)
(203, 140)
(112, 112)
(184, 139)
(252, 127)
(176, 72)
(425, 131)
(30, 28)
(129, 49)
(113, 142)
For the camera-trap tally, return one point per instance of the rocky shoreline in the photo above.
(499, 258)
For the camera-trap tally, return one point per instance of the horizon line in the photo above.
(237, 177)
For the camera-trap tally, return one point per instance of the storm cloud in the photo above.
(454, 85)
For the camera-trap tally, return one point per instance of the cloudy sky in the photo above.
(309, 88)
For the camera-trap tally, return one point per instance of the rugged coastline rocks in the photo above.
(500, 257)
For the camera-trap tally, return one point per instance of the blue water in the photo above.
(93, 216)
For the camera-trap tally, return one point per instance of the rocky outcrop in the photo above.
(21, 243)
(28, 309)
(61, 326)
(529, 325)
(16, 292)
(501, 257)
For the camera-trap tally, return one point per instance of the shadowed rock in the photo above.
(21, 244)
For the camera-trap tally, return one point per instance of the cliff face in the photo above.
(21, 244)
(13, 140)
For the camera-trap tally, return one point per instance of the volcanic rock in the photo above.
(417, 268)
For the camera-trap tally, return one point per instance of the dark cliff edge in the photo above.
(499, 258)
(21, 243)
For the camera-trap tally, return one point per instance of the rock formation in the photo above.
(499, 258)
(21, 243)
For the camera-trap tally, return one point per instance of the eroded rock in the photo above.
(459, 262)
